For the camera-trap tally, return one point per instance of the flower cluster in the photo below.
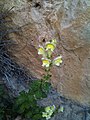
(46, 53)
(48, 112)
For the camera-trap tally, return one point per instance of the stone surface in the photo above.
(69, 23)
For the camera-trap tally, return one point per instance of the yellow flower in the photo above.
(57, 61)
(44, 114)
(41, 50)
(46, 62)
(48, 109)
(50, 46)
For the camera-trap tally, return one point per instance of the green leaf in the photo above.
(29, 114)
(46, 87)
(21, 109)
(21, 98)
(40, 94)
(35, 85)
(37, 117)
(30, 98)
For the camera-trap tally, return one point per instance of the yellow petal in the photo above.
(46, 62)
(47, 109)
(57, 61)
(50, 46)
(41, 50)
(44, 114)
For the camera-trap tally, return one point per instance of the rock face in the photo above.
(69, 23)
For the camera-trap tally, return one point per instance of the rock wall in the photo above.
(69, 23)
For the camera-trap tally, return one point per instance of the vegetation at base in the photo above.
(26, 103)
